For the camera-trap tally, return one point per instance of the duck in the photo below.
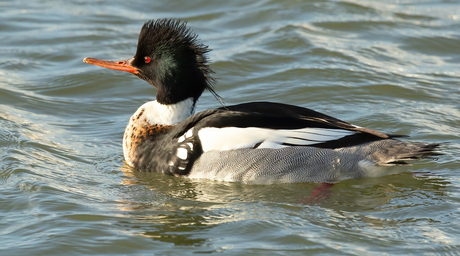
(251, 143)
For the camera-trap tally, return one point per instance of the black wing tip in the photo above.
(397, 136)
(429, 150)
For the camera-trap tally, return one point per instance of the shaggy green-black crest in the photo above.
(170, 57)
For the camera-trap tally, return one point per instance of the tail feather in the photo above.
(412, 152)
(386, 157)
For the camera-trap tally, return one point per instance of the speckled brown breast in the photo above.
(136, 133)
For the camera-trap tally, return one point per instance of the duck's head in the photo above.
(170, 58)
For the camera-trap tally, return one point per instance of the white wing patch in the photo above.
(182, 153)
(233, 138)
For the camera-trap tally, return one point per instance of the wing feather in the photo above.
(227, 138)
(272, 125)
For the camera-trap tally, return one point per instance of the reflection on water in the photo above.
(187, 212)
(361, 194)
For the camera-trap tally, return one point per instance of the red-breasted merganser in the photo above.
(257, 142)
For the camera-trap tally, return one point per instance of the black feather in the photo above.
(179, 63)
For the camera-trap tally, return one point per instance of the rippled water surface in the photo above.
(64, 189)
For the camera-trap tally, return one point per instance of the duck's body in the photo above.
(307, 164)
(258, 142)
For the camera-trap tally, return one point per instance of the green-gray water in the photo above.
(393, 66)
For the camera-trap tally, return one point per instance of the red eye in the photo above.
(147, 59)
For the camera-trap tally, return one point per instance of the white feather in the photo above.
(371, 169)
(182, 153)
(157, 113)
(189, 133)
(233, 138)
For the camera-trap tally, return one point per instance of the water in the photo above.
(391, 66)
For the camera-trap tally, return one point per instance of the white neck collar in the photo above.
(171, 114)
